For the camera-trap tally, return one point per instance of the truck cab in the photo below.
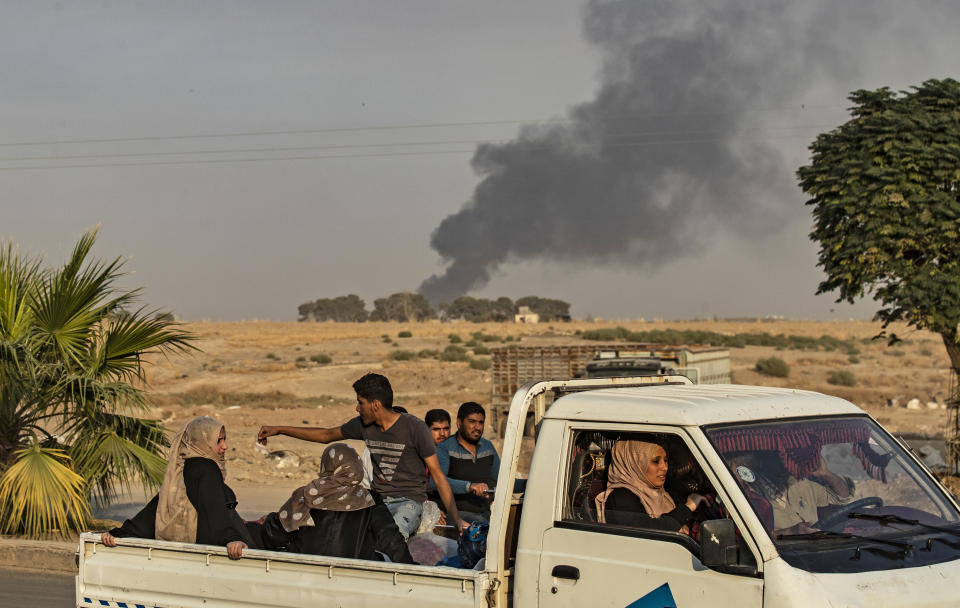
(885, 533)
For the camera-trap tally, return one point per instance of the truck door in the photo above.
(588, 563)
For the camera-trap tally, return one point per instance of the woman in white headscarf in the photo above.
(194, 504)
(635, 495)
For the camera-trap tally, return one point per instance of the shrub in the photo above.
(842, 377)
(482, 337)
(321, 358)
(773, 366)
(386, 338)
(926, 352)
(481, 350)
(428, 353)
(454, 353)
(454, 339)
(853, 359)
(470, 343)
(301, 359)
(272, 356)
(405, 334)
(895, 353)
(740, 340)
(403, 355)
(481, 364)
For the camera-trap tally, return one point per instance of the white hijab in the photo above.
(176, 516)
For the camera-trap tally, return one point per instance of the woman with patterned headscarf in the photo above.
(635, 495)
(335, 515)
(194, 504)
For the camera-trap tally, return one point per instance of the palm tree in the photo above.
(71, 381)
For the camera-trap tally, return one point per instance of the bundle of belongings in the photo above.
(431, 549)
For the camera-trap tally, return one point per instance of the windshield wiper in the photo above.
(896, 519)
(905, 548)
(822, 534)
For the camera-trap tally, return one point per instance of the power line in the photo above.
(264, 133)
(371, 145)
(371, 155)
(97, 140)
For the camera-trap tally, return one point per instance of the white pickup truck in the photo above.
(889, 535)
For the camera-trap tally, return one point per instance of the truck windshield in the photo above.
(839, 487)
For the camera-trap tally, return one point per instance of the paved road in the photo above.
(23, 588)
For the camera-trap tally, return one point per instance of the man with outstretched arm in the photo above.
(400, 447)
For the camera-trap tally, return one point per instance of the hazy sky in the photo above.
(351, 128)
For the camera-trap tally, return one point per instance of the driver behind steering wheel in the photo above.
(795, 502)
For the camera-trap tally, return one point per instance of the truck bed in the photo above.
(161, 574)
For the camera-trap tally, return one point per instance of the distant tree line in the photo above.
(406, 306)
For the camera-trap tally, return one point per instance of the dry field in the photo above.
(248, 374)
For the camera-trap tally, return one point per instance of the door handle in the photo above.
(566, 572)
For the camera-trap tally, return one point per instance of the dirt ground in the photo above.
(253, 373)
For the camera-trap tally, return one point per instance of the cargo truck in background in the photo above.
(514, 366)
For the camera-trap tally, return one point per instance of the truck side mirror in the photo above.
(718, 543)
(718, 548)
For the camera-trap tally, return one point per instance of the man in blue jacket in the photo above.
(470, 463)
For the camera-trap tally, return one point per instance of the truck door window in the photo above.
(590, 483)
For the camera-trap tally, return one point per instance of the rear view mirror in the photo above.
(718, 543)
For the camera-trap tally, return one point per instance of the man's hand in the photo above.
(235, 549)
(478, 488)
(267, 431)
(108, 539)
(825, 476)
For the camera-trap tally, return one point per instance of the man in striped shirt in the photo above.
(400, 446)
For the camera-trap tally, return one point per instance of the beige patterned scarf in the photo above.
(176, 516)
(338, 487)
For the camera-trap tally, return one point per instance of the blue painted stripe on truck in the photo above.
(661, 597)
(112, 604)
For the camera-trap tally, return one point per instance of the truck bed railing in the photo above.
(92, 541)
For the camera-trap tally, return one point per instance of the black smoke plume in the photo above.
(678, 145)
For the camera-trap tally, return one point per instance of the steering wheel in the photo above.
(844, 511)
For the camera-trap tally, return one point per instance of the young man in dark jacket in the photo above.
(471, 463)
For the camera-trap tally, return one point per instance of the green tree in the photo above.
(403, 306)
(548, 309)
(344, 309)
(885, 189)
(479, 310)
(71, 377)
